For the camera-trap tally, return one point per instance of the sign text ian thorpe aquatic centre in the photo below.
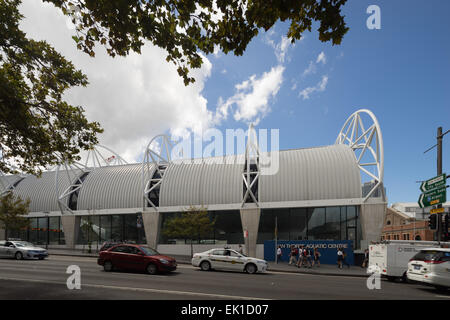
(316, 245)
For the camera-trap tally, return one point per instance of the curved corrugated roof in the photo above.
(42, 191)
(209, 181)
(112, 187)
(7, 181)
(329, 172)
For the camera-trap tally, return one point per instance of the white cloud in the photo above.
(311, 69)
(281, 48)
(320, 87)
(135, 97)
(252, 96)
(321, 58)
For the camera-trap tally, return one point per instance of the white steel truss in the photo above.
(367, 144)
(8, 186)
(76, 172)
(158, 153)
(252, 169)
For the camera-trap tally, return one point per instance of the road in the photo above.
(31, 279)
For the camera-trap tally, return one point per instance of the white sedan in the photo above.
(228, 259)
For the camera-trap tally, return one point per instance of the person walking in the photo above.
(366, 259)
(293, 255)
(309, 257)
(279, 254)
(339, 258)
(300, 257)
(316, 257)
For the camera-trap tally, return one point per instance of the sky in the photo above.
(306, 90)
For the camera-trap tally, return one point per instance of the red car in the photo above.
(135, 257)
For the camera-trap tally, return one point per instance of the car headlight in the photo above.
(164, 261)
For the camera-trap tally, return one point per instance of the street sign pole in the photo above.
(439, 171)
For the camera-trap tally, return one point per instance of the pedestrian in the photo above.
(366, 259)
(309, 257)
(305, 257)
(300, 257)
(293, 255)
(316, 257)
(339, 258)
(241, 250)
(344, 260)
(279, 254)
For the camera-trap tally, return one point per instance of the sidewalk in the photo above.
(324, 269)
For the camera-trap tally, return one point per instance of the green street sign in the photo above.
(433, 183)
(434, 197)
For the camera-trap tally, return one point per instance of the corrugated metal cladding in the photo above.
(7, 181)
(209, 181)
(112, 187)
(313, 174)
(42, 191)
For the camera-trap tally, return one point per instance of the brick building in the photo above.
(406, 221)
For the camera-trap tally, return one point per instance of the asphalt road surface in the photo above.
(34, 279)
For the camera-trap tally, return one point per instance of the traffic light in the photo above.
(446, 226)
(432, 219)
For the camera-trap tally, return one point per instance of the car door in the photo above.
(9, 249)
(2, 249)
(217, 259)
(442, 269)
(236, 261)
(135, 259)
(118, 256)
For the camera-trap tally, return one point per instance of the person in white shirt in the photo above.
(279, 254)
(340, 258)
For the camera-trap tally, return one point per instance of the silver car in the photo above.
(21, 250)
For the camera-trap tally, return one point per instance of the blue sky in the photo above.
(400, 72)
(307, 91)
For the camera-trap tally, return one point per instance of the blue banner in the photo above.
(328, 249)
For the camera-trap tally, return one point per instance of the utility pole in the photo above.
(439, 171)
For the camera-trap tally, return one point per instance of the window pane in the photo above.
(131, 228)
(54, 230)
(163, 238)
(266, 226)
(117, 228)
(332, 226)
(105, 225)
(343, 223)
(282, 223)
(42, 233)
(316, 223)
(228, 227)
(351, 216)
(298, 224)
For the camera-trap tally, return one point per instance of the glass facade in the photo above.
(42, 231)
(117, 227)
(326, 223)
(227, 229)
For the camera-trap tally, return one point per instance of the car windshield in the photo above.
(426, 255)
(23, 244)
(149, 251)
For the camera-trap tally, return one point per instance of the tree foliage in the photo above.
(13, 211)
(185, 27)
(37, 127)
(192, 224)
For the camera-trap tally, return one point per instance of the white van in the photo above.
(390, 258)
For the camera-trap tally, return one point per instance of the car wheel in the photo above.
(250, 268)
(152, 269)
(19, 255)
(108, 266)
(405, 278)
(205, 266)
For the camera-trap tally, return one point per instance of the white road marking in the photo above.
(188, 293)
(446, 297)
